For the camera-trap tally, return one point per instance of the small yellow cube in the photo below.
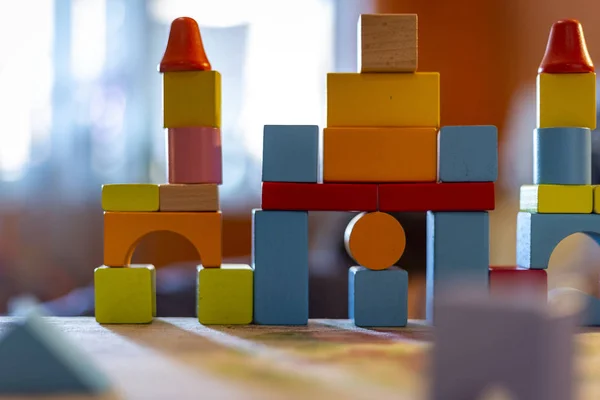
(192, 98)
(130, 197)
(125, 295)
(557, 199)
(225, 295)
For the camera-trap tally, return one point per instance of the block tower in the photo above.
(562, 200)
(187, 205)
(382, 152)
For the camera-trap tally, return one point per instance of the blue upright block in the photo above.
(290, 153)
(458, 252)
(280, 260)
(562, 156)
(378, 298)
(468, 153)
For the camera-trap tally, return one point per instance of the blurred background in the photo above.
(80, 105)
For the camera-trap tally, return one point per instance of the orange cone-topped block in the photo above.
(185, 51)
(566, 51)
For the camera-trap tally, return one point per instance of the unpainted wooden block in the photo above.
(225, 295)
(290, 153)
(378, 298)
(130, 197)
(562, 156)
(387, 43)
(125, 295)
(181, 197)
(557, 199)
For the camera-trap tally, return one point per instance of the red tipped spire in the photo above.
(185, 51)
(566, 51)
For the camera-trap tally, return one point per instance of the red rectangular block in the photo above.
(412, 197)
(319, 196)
(521, 283)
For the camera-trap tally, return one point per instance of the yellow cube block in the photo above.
(125, 295)
(130, 197)
(557, 199)
(384, 99)
(597, 199)
(225, 295)
(566, 100)
(192, 98)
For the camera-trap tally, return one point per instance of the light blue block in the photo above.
(468, 153)
(590, 305)
(35, 358)
(458, 252)
(378, 298)
(538, 235)
(562, 156)
(290, 153)
(280, 261)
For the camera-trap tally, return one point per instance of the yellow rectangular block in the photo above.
(125, 295)
(379, 154)
(383, 99)
(130, 197)
(192, 98)
(566, 100)
(387, 43)
(597, 199)
(225, 295)
(557, 199)
(192, 197)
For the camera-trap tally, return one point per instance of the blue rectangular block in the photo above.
(562, 156)
(280, 261)
(468, 153)
(290, 153)
(458, 252)
(378, 298)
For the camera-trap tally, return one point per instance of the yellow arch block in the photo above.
(130, 197)
(192, 98)
(123, 231)
(557, 199)
(566, 100)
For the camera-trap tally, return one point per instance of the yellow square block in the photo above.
(225, 295)
(125, 295)
(383, 99)
(597, 199)
(557, 199)
(130, 197)
(192, 98)
(566, 100)
(379, 154)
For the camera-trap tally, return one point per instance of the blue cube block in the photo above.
(562, 156)
(468, 154)
(290, 153)
(378, 298)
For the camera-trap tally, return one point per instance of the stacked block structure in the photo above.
(383, 151)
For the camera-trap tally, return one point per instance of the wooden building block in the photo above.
(38, 360)
(539, 234)
(468, 153)
(319, 196)
(290, 153)
(387, 43)
(458, 253)
(379, 154)
(225, 295)
(383, 99)
(195, 155)
(192, 98)
(414, 197)
(590, 305)
(562, 156)
(280, 261)
(566, 100)
(375, 240)
(378, 298)
(123, 231)
(557, 199)
(125, 295)
(200, 197)
(519, 283)
(130, 197)
(597, 199)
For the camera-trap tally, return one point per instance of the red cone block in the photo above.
(185, 51)
(566, 51)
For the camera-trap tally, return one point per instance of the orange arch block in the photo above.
(375, 240)
(124, 230)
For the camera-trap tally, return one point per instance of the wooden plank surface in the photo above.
(180, 359)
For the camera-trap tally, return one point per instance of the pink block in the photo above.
(195, 155)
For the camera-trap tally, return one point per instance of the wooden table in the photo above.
(177, 358)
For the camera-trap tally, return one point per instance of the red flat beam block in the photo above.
(319, 196)
(412, 197)
(521, 283)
